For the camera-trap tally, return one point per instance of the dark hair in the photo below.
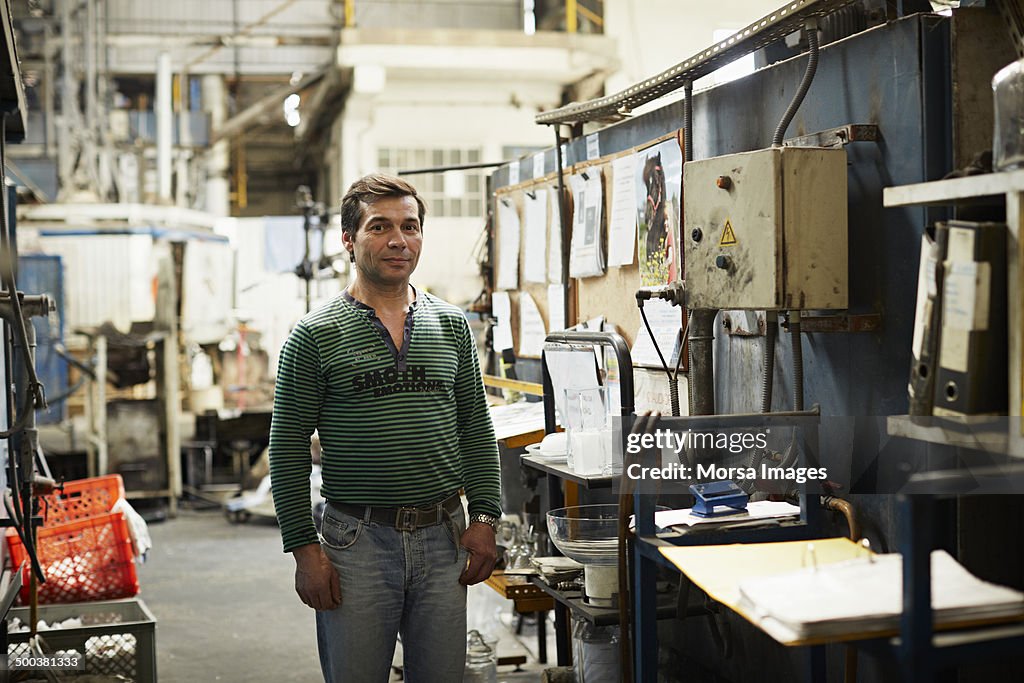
(369, 189)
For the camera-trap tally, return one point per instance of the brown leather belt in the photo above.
(403, 518)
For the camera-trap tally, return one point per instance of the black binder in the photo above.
(972, 374)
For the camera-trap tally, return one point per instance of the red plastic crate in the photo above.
(87, 559)
(85, 550)
(82, 498)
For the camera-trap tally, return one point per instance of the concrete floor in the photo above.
(226, 609)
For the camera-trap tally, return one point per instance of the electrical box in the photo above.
(766, 230)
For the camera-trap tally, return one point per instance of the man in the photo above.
(389, 377)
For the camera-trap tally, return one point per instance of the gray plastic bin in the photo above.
(117, 637)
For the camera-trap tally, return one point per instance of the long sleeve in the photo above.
(298, 395)
(477, 445)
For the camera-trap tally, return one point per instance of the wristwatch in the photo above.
(489, 520)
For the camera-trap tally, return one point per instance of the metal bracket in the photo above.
(866, 322)
(838, 137)
(751, 323)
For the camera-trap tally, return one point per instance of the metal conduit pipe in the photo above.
(702, 370)
(798, 360)
(768, 360)
(811, 31)
(688, 122)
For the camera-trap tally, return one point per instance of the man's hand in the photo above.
(478, 540)
(316, 579)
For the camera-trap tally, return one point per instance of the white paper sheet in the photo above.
(763, 509)
(593, 147)
(513, 173)
(531, 327)
(864, 595)
(501, 307)
(666, 323)
(554, 240)
(536, 235)
(570, 368)
(556, 308)
(538, 165)
(622, 222)
(586, 256)
(508, 245)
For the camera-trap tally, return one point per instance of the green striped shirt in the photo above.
(393, 431)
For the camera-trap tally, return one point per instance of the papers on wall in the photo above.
(556, 308)
(622, 222)
(666, 321)
(865, 595)
(508, 245)
(659, 187)
(531, 327)
(554, 240)
(513, 173)
(501, 308)
(593, 147)
(586, 257)
(572, 369)
(535, 214)
(538, 165)
(651, 391)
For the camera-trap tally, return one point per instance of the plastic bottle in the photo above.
(481, 661)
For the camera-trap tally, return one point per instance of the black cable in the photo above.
(34, 387)
(673, 376)
(657, 348)
(63, 396)
(811, 32)
(34, 397)
(29, 544)
(62, 351)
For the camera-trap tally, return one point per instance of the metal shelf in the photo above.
(770, 28)
(599, 616)
(968, 431)
(954, 190)
(562, 471)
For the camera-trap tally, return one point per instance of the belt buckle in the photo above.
(405, 519)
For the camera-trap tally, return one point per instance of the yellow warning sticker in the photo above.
(728, 236)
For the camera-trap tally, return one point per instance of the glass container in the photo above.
(1008, 117)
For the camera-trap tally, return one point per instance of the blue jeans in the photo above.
(394, 582)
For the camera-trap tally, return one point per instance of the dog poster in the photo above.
(659, 189)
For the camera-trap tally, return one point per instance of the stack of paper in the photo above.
(865, 595)
(756, 511)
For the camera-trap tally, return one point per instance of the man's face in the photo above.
(387, 243)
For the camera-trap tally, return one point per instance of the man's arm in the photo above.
(479, 452)
(298, 393)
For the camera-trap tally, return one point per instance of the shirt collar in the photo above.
(370, 311)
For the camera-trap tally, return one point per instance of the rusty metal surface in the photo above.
(869, 322)
(837, 137)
